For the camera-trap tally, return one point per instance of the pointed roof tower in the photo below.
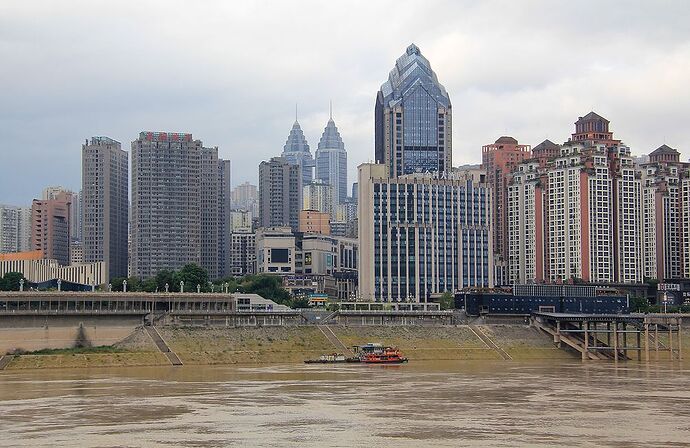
(330, 139)
(296, 141)
(412, 69)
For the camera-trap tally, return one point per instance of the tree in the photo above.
(639, 304)
(447, 301)
(10, 281)
(150, 285)
(166, 276)
(268, 287)
(192, 275)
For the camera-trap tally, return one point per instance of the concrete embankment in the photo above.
(266, 345)
(29, 333)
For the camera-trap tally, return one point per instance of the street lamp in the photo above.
(59, 283)
(124, 285)
(198, 288)
(21, 284)
(181, 286)
(166, 288)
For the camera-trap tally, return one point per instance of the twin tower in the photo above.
(330, 163)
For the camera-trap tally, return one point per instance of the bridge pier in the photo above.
(582, 333)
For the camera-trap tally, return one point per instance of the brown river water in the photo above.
(497, 404)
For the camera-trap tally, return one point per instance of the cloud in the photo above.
(231, 73)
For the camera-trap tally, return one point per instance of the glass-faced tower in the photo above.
(331, 162)
(413, 118)
(296, 152)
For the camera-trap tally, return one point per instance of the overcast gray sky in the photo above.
(231, 72)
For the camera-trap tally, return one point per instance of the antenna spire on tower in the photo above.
(330, 109)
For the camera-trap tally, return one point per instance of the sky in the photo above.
(231, 74)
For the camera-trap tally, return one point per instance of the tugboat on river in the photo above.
(373, 353)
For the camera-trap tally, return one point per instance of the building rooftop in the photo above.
(592, 116)
(664, 149)
(411, 70)
(506, 140)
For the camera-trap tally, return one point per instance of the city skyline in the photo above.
(494, 80)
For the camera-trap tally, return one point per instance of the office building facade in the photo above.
(50, 227)
(331, 163)
(413, 120)
(422, 234)
(296, 152)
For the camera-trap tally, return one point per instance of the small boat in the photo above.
(328, 359)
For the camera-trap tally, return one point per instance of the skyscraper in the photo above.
(296, 152)
(50, 227)
(413, 118)
(75, 214)
(318, 196)
(224, 209)
(499, 159)
(331, 162)
(280, 193)
(105, 204)
(15, 229)
(665, 215)
(174, 204)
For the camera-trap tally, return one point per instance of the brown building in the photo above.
(312, 221)
(499, 160)
(50, 227)
(545, 151)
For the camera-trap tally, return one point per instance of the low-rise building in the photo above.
(275, 250)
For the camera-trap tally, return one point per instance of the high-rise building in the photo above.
(50, 227)
(224, 210)
(576, 215)
(580, 214)
(525, 224)
(665, 215)
(413, 118)
(75, 227)
(15, 229)
(296, 152)
(245, 197)
(422, 234)
(318, 196)
(241, 220)
(243, 252)
(499, 159)
(280, 193)
(210, 205)
(312, 221)
(331, 163)
(174, 204)
(105, 204)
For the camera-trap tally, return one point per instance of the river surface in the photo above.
(416, 405)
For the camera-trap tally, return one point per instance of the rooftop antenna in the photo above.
(295, 111)
(330, 109)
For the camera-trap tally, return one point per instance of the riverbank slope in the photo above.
(270, 345)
